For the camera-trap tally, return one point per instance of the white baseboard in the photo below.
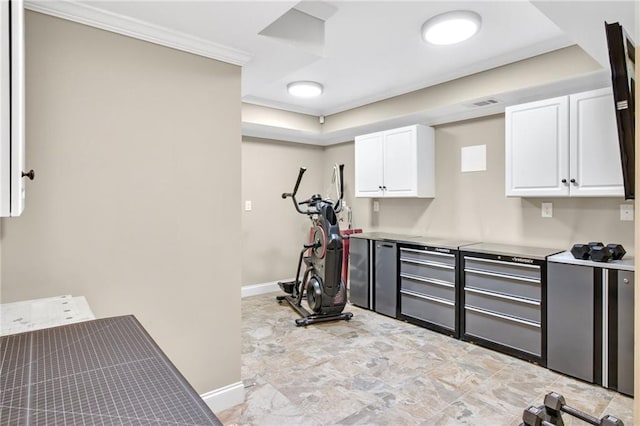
(224, 397)
(256, 289)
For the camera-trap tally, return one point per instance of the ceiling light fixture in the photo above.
(305, 89)
(451, 27)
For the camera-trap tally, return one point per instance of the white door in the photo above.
(400, 161)
(5, 110)
(537, 148)
(594, 151)
(11, 107)
(368, 165)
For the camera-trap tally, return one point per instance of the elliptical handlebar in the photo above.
(295, 188)
(296, 204)
(337, 205)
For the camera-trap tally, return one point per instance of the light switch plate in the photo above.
(376, 206)
(547, 210)
(626, 212)
(247, 206)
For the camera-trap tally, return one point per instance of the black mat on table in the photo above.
(106, 372)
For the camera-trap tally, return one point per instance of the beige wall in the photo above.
(469, 206)
(135, 205)
(473, 206)
(273, 232)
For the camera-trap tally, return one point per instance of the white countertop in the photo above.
(539, 253)
(626, 264)
(413, 239)
(36, 314)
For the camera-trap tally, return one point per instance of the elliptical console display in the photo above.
(322, 282)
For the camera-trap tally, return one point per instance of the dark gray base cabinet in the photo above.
(373, 275)
(590, 324)
(385, 299)
(360, 292)
(502, 304)
(428, 288)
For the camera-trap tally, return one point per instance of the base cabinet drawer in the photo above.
(510, 285)
(512, 306)
(430, 309)
(517, 334)
(428, 256)
(428, 287)
(438, 271)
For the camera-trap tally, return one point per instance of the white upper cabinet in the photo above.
(566, 146)
(396, 163)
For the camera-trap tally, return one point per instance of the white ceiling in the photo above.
(372, 49)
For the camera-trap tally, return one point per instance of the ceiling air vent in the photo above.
(483, 103)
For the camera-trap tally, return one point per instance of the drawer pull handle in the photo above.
(502, 296)
(500, 262)
(427, 263)
(428, 280)
(511, 277)
(504, 317)
(430, 298)
(434, 253)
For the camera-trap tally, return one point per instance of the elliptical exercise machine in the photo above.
(322, 283)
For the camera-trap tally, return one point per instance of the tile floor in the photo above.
(380, 371)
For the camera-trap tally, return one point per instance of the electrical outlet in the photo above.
(247, 206)
(626, 212)
(376, 206)
(547, 210)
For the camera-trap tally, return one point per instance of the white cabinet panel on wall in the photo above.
(396, 163)
(595, 165)
(369, 165)
(537, 142)
(565, 146)
(11, 108)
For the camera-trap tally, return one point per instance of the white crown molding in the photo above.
(109, 21)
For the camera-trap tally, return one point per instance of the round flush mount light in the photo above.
(451, 27)
(305, 89)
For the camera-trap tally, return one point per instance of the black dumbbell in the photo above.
(554, 402)
(600, 254)
(580, 251)
(533, 416)
(617, 251)
(608, 420)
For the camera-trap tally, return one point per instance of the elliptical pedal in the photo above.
(288, 286)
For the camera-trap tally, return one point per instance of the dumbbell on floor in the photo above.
(550, 414)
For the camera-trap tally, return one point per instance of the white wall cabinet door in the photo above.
(595, 165)
(399, 147)
(537, 147)
(396, 163)
(369, 165)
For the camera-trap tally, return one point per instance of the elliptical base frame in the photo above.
(310, 318)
